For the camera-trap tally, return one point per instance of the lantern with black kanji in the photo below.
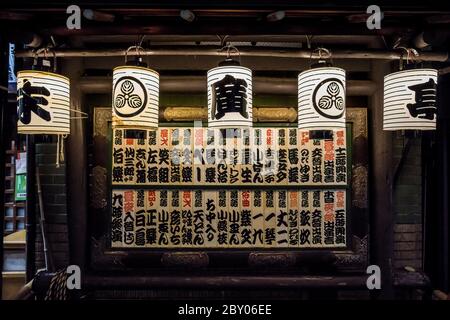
(43, 103)
(135, 95)
(229, 95)
(410, 100)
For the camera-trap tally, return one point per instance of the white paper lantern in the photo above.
(230, 97)
(43, 103)
(321, 98)
(135, 97)
(410, 100)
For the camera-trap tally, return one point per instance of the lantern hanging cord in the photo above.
(308, 41)
(139, 44)
(60, 149)
(223, 40)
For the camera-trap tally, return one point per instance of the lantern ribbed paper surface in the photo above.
(43, 103)
(410, 100)
(230, 97)
(321, 98)
(135, 97)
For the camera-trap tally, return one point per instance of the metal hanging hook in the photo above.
(137, 48)
(229, 49)
(45, 50)
(320, 51)
(223, 40)
(411, 55)
(414, 54)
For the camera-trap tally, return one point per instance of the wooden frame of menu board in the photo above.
(353, 257)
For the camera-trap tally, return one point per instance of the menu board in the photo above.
(228, 218)
(229, 157)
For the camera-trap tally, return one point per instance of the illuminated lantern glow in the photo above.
(43, 103)
(135, 97)
(230, 96)
(410, 100)
(321, 98)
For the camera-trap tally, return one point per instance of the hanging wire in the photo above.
(60, 149)
(141, 41)
(223, 40)
(384, 42)
(308, 41)
(405, 50)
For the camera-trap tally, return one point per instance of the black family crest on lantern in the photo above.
(30, 99)
(329, 98)
(424, 106)
(135, 100)
(130, 97)
(229, 95)
(321, 94)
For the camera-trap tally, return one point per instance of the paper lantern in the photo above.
(135, 97)
(321, 98)
(230, 96)
(410, 100)
(43, 103)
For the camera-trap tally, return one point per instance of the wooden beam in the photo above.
(244, 52)
(224, 282)
(4, 129)
(197, 84)
(381, 181)
(77, 171)
(214, 26)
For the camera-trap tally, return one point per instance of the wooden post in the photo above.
(380, 182)
(31, 209)
(437, 192)
(4, 56)
(77, 183)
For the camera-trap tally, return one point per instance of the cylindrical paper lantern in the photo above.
(410, 100)
(135, 97)
(321, 98)
(43, 103)
(230, 97)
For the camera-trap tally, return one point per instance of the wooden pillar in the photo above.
(76, 164)
(443, 143)
(31, 209)
(380, 186)
(4, 116)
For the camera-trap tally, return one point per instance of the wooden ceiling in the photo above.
(121, 21)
